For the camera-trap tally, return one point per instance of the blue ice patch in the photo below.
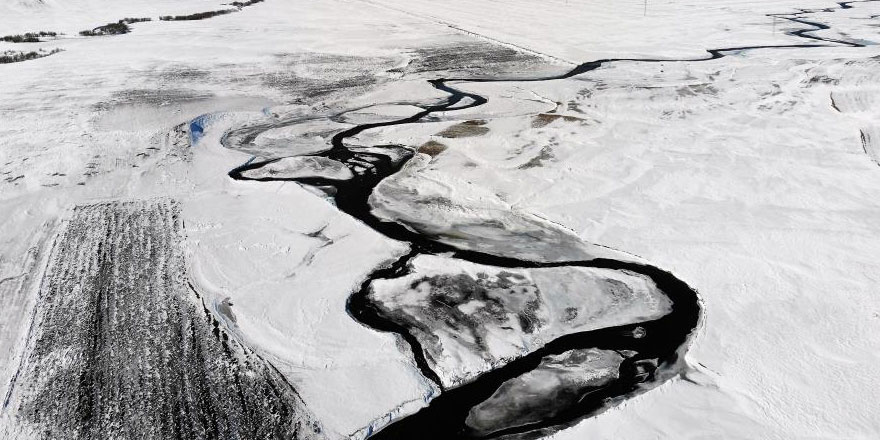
(197, 129)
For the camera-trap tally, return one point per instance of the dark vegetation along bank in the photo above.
(208, 14)
(118, 28)
(29, 37)
(197, 16)
(15, 57)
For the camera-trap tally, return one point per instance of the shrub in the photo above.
(16, 57)
(29, 37)
(130, 20)
(240, 5)
(117, 28)
(196, 16)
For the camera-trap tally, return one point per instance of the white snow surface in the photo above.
(288, 268)
(481, 221)
(748, 177)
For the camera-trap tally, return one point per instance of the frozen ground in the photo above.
(752, 177)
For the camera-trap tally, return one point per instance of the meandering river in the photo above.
(658, 344)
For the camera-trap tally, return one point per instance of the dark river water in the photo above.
(658, 344)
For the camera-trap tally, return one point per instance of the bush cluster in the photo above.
(29, 37)
(15, 57)
(245, 4)
(131, 20)
(118, 28)
(197, 16)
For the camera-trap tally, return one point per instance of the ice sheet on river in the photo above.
(471, 318)
(479, 220)
(273, 138)
(301, 167)
(559, 382)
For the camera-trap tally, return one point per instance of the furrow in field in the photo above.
(121, 346)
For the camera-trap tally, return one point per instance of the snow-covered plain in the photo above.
(753, 178)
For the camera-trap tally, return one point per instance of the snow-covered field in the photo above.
(753, 178)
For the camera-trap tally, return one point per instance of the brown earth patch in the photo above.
(432, 148)
(545, 119)
(465, 129)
